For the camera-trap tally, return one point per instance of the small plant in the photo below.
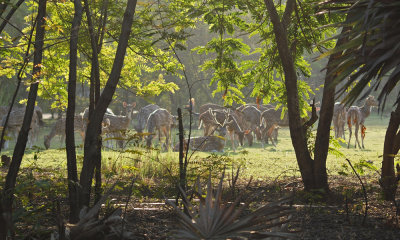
(212, 219)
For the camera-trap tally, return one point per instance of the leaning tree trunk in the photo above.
(325, 119)
(297, 132)
(390, 149)
(92, 133)
(8, 191)
(69, 124)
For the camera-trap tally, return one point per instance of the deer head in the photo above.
(370, 101)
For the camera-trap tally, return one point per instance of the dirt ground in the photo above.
(312, 220)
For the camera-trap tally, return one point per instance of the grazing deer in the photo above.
(161, 121)
(204, 144)
(252, 115)
(212, 121)
(118, 124)
(268, 119)
(339, 120)
(357, 115)
(236, 126)
(271, 133)
(59, 129)
(143, 115)
(15, 123)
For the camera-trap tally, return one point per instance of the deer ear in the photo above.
(124, 104)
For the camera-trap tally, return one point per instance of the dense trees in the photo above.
(153, 40)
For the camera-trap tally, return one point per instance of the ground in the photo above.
(274, 171)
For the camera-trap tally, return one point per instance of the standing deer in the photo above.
(339, 120)
(15, 123)
(59, 129)
(252, 115)
(161, 121)
(357, 115)
(118, 124)
(143, 115)
(269, 121)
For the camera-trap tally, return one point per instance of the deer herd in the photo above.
(247, 122)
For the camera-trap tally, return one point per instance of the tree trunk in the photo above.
(91, 150)
(389, 181)
(69, 125)
(297, 134)
(324, 124)
(8, 191)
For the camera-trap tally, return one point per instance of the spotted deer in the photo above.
(252, 115)
(59, 129)
(339, 120)
(143, 116)
(15, 123)
(118, 124)
(160, 121)
(357, 115)
(269, 121)
(212, 121)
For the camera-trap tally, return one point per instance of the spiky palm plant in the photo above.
(212, 219)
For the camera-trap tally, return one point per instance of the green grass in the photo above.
(262, 163)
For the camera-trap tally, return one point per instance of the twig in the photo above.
(364, 191)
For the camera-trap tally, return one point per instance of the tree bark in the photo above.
(389, 181)
(69, 124)
(324, 124)
(297, 134)
(8, 191)
(92, 133)
(95, 86)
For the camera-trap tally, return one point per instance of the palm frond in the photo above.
(372, 49)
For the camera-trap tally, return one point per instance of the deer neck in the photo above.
(366, 110)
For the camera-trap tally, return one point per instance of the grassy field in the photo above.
(261, 163)
(42, 181)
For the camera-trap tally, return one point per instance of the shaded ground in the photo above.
(329, 220)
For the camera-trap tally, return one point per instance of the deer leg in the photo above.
(356, 135)
(232, 136)
(350, 132)
(362, 135)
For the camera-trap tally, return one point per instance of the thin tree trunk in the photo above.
(92, 133)
(69, 125)
(296, 128)
(19, 78)
(324, 124)
(95, 80)
(8, 191)
(10, 14)
(389, 181)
